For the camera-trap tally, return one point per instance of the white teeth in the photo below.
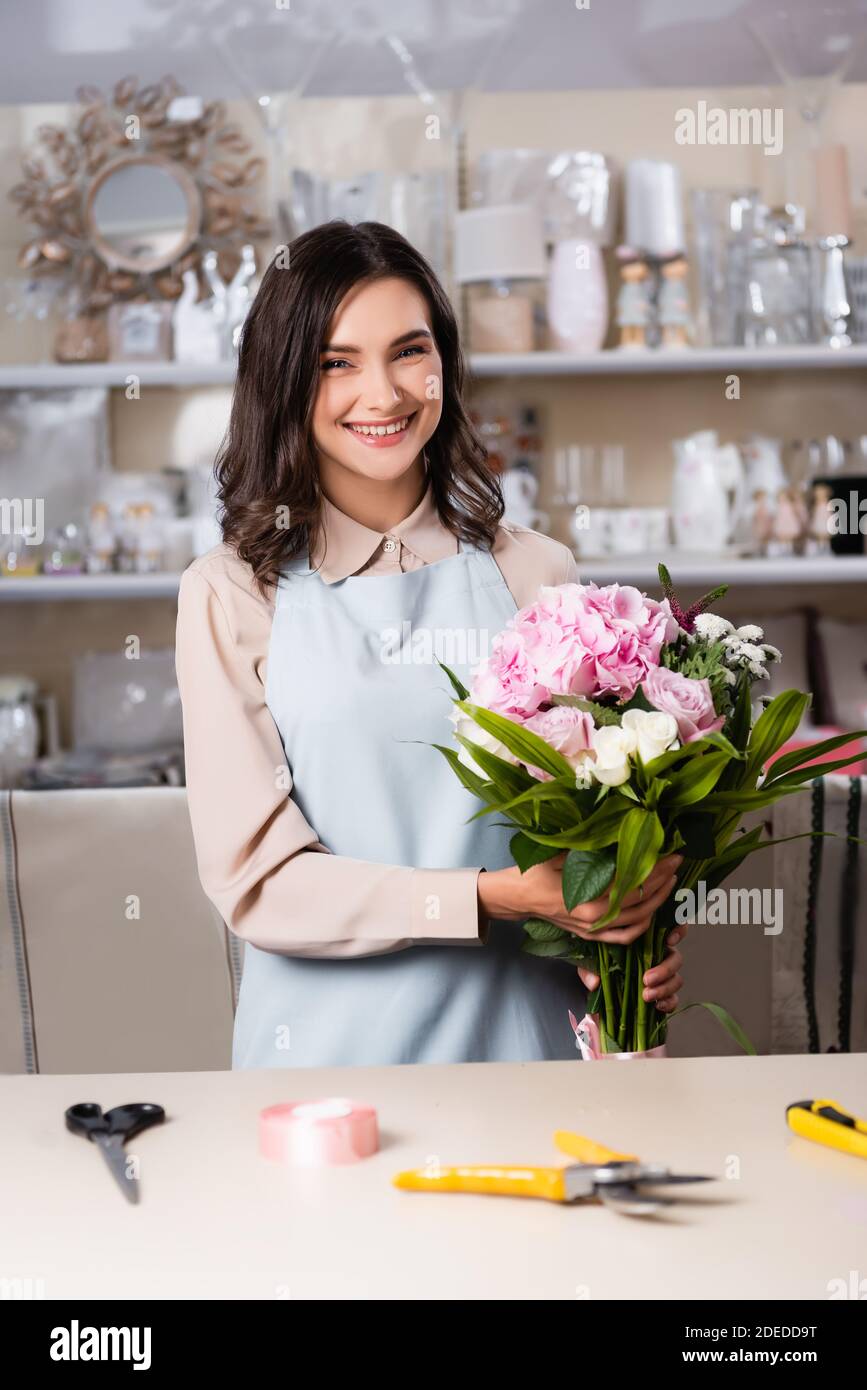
(381, 429)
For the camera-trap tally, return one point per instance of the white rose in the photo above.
(712, 628)
(612, 746)
(656, 732)
(470, 729)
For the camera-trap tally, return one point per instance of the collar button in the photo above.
(389, 544)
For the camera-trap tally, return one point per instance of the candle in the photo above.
(833, 209)
(654, 207)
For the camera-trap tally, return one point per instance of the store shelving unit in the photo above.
(641, 570)
(690, 571)
(613, 362)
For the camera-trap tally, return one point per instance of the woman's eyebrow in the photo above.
(404, 338)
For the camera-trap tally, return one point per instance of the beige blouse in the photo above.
(261, 864)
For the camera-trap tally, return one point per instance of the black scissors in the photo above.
(111, 1131)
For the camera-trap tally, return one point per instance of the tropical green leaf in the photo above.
(459, 688)
(597, 831)
(586, 875)
(507, 778)
(693, 782)
(638, 848)
(520, 742)
(724, 1017)
(774, 727)
(799, 756)
(471, 780)
(602, 714)
(809, 773)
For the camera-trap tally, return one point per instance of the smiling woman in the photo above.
(361, 514)
(354, 334)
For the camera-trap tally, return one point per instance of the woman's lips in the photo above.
(383, 441)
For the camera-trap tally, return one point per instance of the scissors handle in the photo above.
(124, 1120)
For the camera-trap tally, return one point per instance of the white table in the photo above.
(218, 1221)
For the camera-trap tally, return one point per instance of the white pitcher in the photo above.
(701, 506)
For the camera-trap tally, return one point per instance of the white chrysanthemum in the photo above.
(772, 653)
(750, 633)
(758, 670)
(752, 652)
(711, 627)
(728, 676)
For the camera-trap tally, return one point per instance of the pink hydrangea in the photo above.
(575, 639)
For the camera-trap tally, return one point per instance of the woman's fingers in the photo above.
(660, 974)
(661, 873)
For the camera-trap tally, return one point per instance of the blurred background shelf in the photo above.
(612, 362)
(626, 569)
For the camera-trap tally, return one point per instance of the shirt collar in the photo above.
(343, 546)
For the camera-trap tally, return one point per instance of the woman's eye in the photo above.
(335, 362)
(413, 350)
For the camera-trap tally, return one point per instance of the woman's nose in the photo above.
(378, 390)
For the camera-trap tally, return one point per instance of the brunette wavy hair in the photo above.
(266, 467)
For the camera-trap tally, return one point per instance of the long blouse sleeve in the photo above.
(261, 864)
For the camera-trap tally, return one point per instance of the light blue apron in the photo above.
(357, 695)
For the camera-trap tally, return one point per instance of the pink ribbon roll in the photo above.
(589, 1045)
(312, 1133)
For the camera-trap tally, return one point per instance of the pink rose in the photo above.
(688, 700)
(567, 729)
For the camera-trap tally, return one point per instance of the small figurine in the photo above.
(787, 526)
(762, 524)
(633, 304)
(674, 305)
(819, 540)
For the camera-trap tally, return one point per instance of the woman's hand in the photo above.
(507, 893)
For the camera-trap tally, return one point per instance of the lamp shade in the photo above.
(499, 243)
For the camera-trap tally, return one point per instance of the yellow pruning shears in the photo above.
(826, 1122)
(602, 1174)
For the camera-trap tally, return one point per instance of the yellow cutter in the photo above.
(602, 1174)
(826, 1122)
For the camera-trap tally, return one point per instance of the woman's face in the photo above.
(380, 379)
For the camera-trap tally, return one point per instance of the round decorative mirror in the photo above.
(142, 213)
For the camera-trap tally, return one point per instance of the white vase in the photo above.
(577, 297)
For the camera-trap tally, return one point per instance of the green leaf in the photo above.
(741, 717)
(597, 831)
(586, 875)
(540, 929)
(471, 780)
(799, 756)
(526, 853)
(553, 949)
(774, 727)
(715, 740)
(809, 773)
(693, 782)
(638, 848)
(520, 742)
(508, 779)
(459, 689)
(724, 1017)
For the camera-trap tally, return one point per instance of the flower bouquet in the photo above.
(619, 729)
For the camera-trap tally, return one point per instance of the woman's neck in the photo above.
(374, 502)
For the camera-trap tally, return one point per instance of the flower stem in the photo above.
(606, 991)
